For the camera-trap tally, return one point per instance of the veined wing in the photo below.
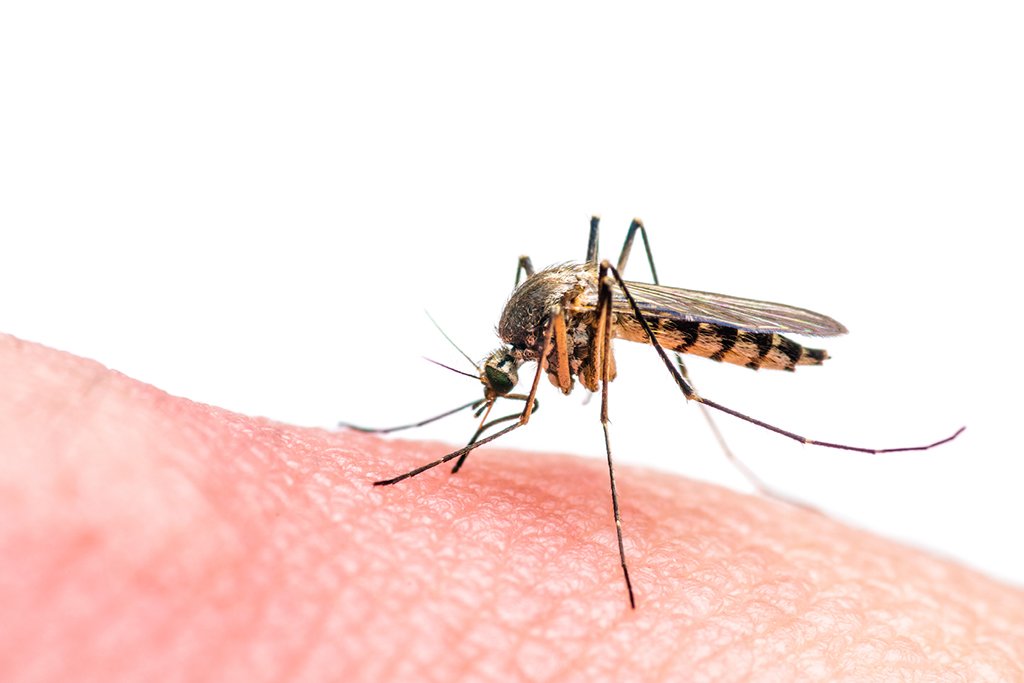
(657, 301)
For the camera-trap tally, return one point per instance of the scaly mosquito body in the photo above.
(564, 317)
(571, 291)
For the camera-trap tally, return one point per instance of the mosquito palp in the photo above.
(563, 318)
(387, 430)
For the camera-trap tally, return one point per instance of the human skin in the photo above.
(145, 537)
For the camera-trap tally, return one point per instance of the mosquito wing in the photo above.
(656, 301)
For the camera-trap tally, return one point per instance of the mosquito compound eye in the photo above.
(499, 381)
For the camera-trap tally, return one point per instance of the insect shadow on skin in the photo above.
(564, 318)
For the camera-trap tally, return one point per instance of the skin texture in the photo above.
(147, 537)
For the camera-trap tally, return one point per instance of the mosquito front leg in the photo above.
(560, 341)
(486, 426)
(603, 342)
(513, 416)
(451, 456)
(542, 366)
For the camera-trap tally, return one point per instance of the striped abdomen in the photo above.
(754, 350)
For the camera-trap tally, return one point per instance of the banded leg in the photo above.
(690, 393)
(603, 342)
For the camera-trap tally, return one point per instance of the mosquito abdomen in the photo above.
(754, 350)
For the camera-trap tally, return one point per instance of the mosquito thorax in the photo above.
(500, 372)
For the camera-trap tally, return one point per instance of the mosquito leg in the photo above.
(627, 246)
(525, 266)
(451, 456)
(604, 339)
(561, 342)
(742, 467)
(542, 365)
(687, 388)
(592, 242)
(514, 416)
(748, 473)
(483, 428)
(744, 470)
(759, 485)
(511, 397)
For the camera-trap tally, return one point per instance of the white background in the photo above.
(252, 204)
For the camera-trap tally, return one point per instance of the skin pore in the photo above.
(147, 537)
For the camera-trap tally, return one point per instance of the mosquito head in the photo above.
(500, 373)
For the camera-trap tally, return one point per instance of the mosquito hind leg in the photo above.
(759, 485)
(687, 388)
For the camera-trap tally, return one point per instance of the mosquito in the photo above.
(563, 318)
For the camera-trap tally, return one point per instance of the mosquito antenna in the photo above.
(448, 367)
(445, 335)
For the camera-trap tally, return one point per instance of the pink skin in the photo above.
(145, 537)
